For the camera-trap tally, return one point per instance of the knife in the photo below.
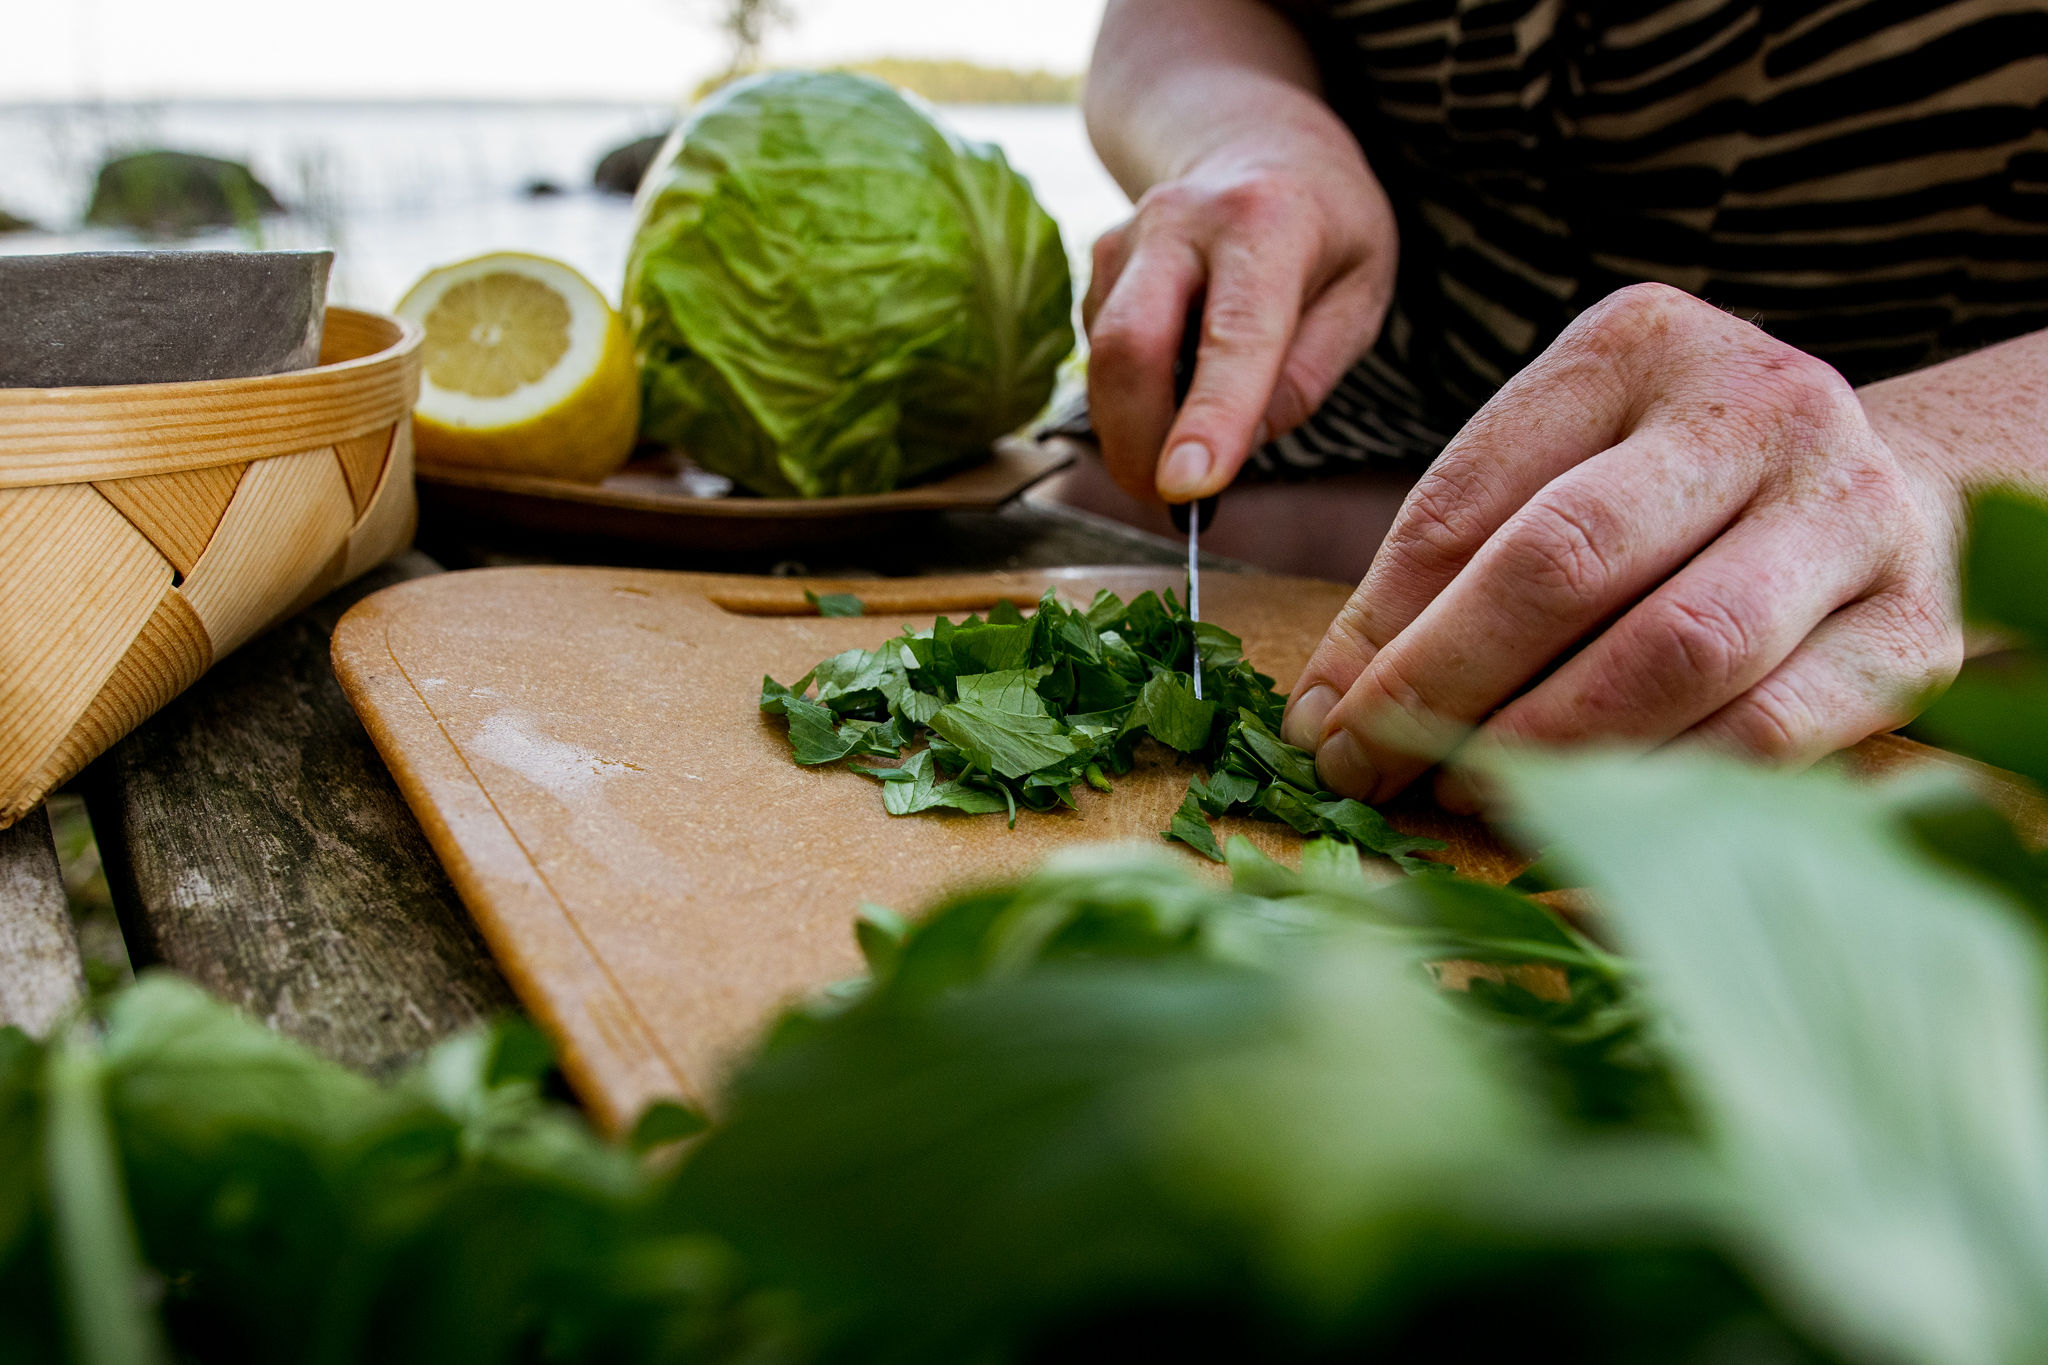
(1192, 518)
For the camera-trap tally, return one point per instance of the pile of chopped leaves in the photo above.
(1013, 712)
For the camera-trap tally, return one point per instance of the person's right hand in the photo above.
(1289, 242)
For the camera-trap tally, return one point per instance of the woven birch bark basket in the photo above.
(147, 530)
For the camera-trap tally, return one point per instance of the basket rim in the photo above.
(115, 431)
(408, 339)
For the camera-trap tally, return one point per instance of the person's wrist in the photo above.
(1932, 466)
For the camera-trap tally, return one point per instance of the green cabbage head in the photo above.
(829, 294)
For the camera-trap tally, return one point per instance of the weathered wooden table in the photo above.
(254, 842)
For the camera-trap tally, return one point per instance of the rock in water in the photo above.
(12, 223)
(168, 193)
(622, 168)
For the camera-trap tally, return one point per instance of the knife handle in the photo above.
(1205, 509)
(1183, 377)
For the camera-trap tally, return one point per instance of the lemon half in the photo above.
(525, 367)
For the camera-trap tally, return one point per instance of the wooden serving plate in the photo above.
(585, 751)
(650, 503)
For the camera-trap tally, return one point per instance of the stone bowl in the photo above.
(154, 317)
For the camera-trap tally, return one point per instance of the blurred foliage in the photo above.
(100, 943)
(171, 194)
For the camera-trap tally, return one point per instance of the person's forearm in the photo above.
(1174, 80)
(1971, 422)
(1967, 424)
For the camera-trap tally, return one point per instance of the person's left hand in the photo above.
(1703, 511)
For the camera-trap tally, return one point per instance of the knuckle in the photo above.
(1168, 201)
(1242, 322)
(1709, 641)
(1441, 523)
(1636, 312)
(1556, 549)
(1119, 352)
(1773, 722)
(1921, 637)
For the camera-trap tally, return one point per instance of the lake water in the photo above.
(398, 187)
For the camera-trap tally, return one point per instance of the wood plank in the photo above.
(41, 976)
(254, 842)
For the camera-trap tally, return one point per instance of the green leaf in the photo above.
(1253, 873)
(1863, 1034)
(814, 733)
(1285, 762)
(836, 603)
(1332, 866)
(519, 1052)
(997, 736)
(991, 648)
(99, 1267)
(915, 787)
(880, 932)
(2005, 566)
(666, 1121)
(1999, 717)
(1191, 827)
(1167, 710)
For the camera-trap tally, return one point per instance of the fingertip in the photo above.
(1186, 471)
(1344, 768)
(1302, 725)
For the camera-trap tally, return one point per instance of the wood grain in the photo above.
(254, 842)
(584, 750)
(289, 518)
(178, 512)
(81, 581)
(362, 462)
(167, 656)
(41, 976)
(119, 431)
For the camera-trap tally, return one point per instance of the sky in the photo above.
(626, 49)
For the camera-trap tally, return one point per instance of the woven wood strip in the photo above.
(168, 655)
(119, 431)
(81, 581)
(176, 511)
(285, 523)
(362, 463)
(387, 527)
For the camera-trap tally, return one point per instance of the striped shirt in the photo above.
(1866, 180)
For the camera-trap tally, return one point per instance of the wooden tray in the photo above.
(648, 502)
(585, 752)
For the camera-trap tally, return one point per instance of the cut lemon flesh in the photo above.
(525, 367)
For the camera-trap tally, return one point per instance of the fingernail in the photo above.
(1187, 464)
(1302, 726)
(1344, 768)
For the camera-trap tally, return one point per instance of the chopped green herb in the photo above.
(836, 603)
(1013, 711)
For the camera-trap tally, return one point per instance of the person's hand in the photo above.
(1704, 513)
(1289, 242)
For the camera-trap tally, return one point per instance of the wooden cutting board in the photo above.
(584, 749)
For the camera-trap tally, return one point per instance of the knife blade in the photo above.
(1193, 518)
